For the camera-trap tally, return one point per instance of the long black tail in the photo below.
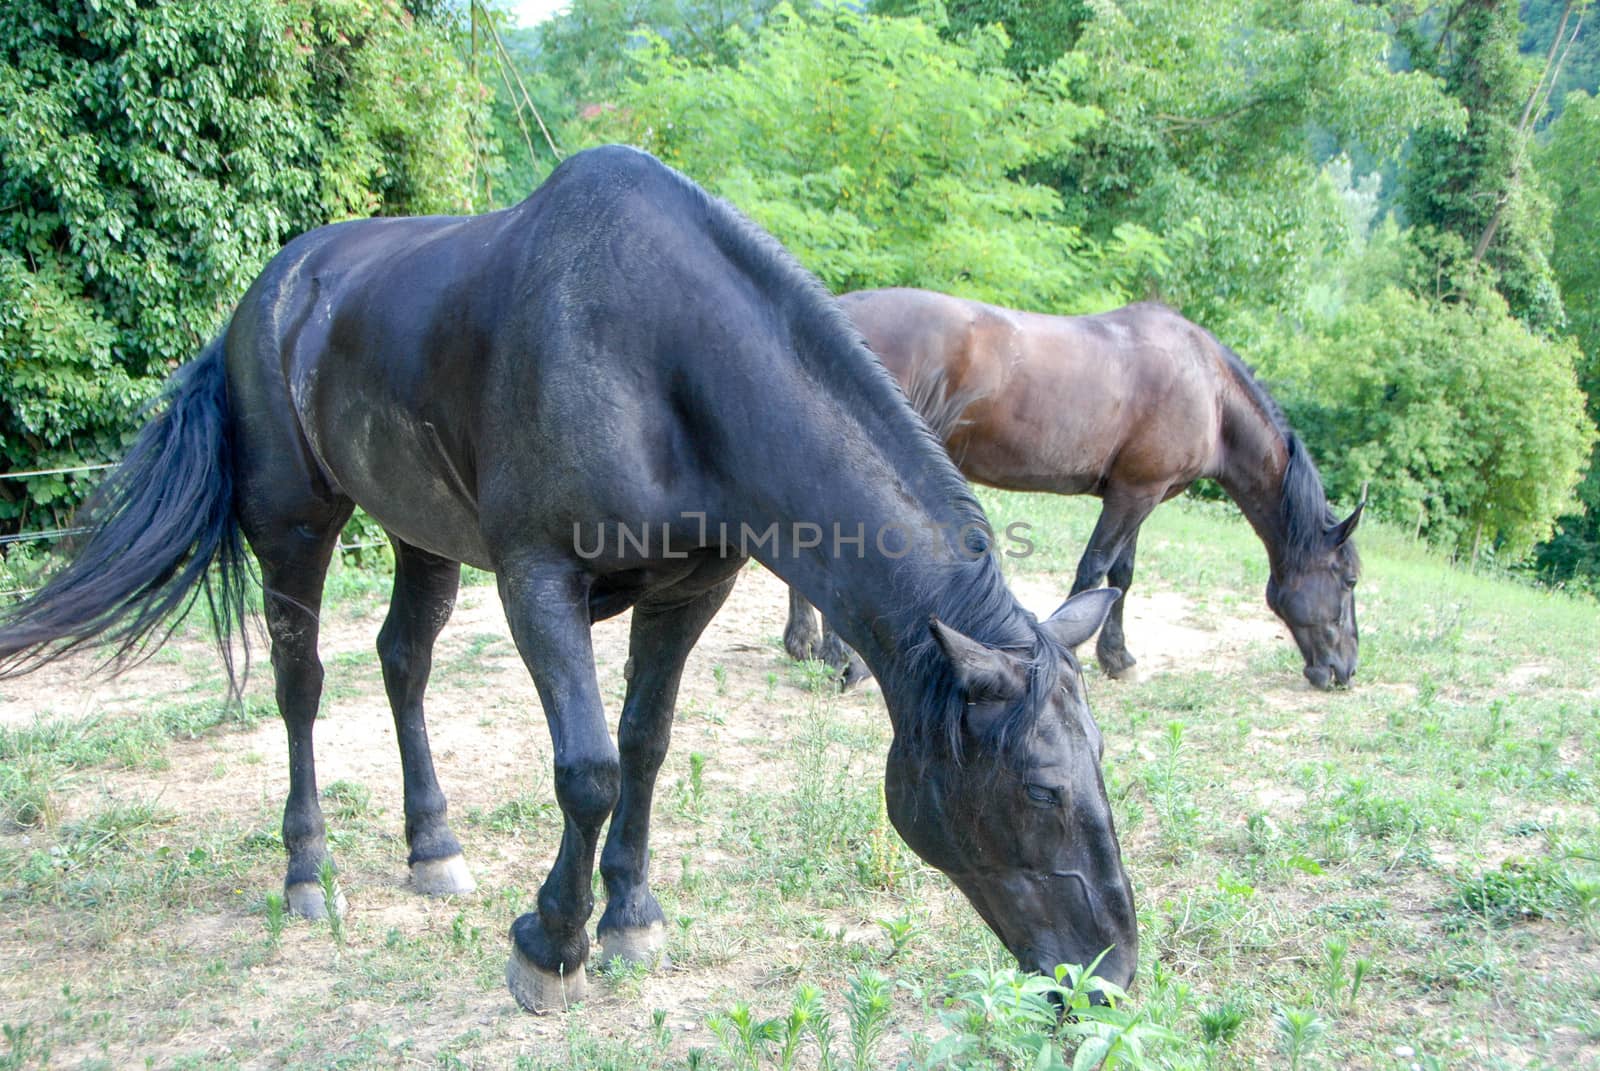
(156, 526)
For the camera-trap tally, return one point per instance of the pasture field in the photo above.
(1403, 876)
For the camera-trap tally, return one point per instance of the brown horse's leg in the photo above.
(424, 594)
(633, 927)
(837, 654)
(804, 642)
(1112, 541)
(800, 636)
(1111, 649)
(547, 606)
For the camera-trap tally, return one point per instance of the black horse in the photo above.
(609, 395)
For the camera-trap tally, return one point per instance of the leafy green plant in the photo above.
(276, 919)
(152, 157)
(868, 1006)
(327, 880)
(901, 931)
(886, 178)
(1299, 1030)
(1219, 1026)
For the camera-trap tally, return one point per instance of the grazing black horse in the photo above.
(609, 395)
(1132, 406)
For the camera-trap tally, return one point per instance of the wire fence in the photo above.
(45, 535)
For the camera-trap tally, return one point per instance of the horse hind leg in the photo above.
(800, 636)
(805, 642)
(294, 561)
(1111, 649)
(1111, 551)
(840, 657)
(425, 588)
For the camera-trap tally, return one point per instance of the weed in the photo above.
(1299, 1030)
(330, 896)
(901, 932)
(351, 800)
(516, 815)
(276, 919)
(867, 1006)
(22, 1047)
(1219, 1025)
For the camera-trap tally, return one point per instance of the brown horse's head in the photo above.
(1314, 591)
(1009, 801)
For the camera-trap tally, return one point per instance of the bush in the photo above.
(153, 156)
(1470, 428)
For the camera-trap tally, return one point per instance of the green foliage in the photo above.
(1470, 428)
(1041, 31)
(1002, 1019)
(904, 168)
(1470, 184)
(1579, 57)
(1567, 166)
(1207, 110)
(152, 157)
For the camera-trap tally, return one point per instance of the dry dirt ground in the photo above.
(490, 746)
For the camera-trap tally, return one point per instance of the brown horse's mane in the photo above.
(1303, 509)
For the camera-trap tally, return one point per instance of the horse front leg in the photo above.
(548, 610)
(425, 588)
(633, 927)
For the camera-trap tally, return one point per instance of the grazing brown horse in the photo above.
(1132, 405)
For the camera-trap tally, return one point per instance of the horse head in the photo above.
(1010, 802)
(1314, 592)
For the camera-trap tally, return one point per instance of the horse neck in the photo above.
(1255, 456)
(869, 470)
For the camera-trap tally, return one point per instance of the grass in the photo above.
(1402, 875)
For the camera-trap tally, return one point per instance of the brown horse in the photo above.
(1132, 405)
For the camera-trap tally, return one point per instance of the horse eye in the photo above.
(1043, 795)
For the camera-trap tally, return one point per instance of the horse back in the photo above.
(1067, 404)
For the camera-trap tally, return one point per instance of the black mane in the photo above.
(1303, 510)
(972, 596)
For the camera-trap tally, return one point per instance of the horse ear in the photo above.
(1340, 533)
(1078, 618)
(984, 672)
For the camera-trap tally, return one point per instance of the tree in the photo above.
(1567, 28)
(903, 167)
(1210, 106)
(1470, 427)
(1041, 31)
(152, 156)
(1470, 188)
(1567, 167)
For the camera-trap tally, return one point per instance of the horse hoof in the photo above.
(1129, 674)
(853, 674)
(644, 945)
(305, 898)
(442, 877)
(800, 647)
(541, 991)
